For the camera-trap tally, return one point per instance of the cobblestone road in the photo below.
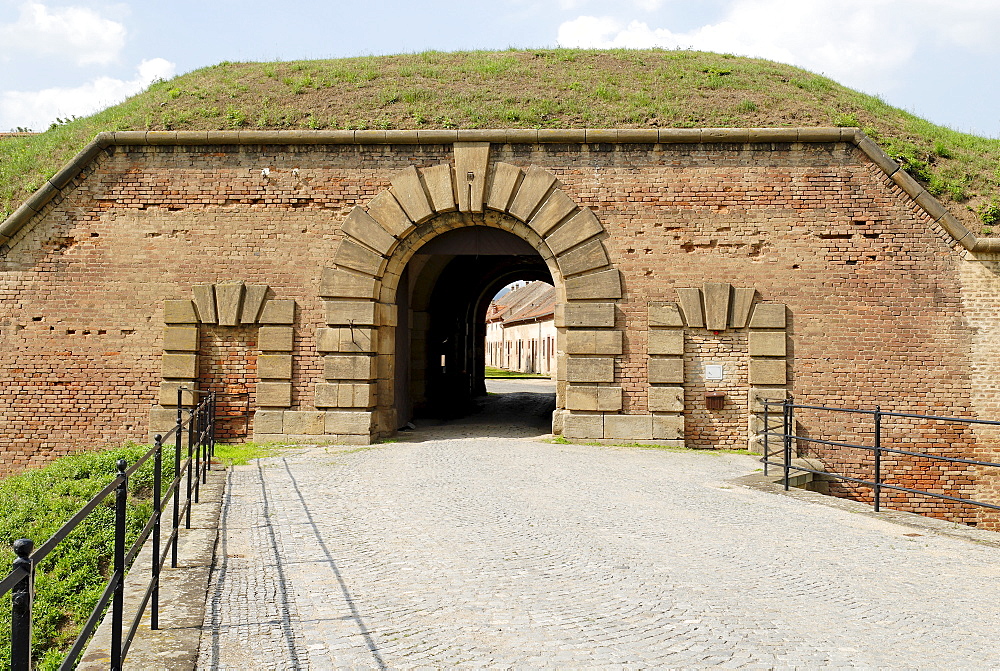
(517, 553)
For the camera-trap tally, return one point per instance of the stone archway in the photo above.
(360, 290)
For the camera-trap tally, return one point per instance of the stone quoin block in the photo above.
(168, 393)
(583, 427)
(268, 421)
(345, 339)
(668, 427)
(628, 427)
(579, 341)
(665, 342)
(275, 339)
(770, 394)
(606, 284)
(348, 367)
(341, 283)
(274, 366)
(581, 397)
(180, 366)
(584, 315)
(665, 371)
(179, 312)
(767, 371)
(348, 422)
(344, 395)
(665, 399)
(274, 394)
(665, 315)
(180, 338)
(768, 316)
(766, 343)
(278, 312)
(596, 369)
(303, 422)
(358, 313)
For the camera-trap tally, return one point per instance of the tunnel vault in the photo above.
(368, 288)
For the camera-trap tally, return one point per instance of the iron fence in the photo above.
(878, 448)
(189, 473)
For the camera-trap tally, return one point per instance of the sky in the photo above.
(935, 58)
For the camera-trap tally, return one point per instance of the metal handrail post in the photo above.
(190, 463)
(21, 604)
(767, 448)
(786, 422)
(177, 473)
(154, 613)
(878, 456)
(118, 601)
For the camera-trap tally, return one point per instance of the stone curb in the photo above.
(182, 593)
(934, 209)
(928, 525)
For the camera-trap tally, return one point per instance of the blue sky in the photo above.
(936, 58)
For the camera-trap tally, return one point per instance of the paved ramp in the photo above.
(439, 551)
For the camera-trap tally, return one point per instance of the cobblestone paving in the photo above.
(489, 552)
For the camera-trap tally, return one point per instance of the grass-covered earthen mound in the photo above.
(558, 88)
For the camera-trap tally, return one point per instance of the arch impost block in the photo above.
(584, 315)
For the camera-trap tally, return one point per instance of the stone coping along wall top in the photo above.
(855, 136)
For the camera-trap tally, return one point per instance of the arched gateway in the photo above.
(334, 281)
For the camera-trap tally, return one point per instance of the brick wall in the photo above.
(882, 309)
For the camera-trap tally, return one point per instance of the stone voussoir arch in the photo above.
(359, 289)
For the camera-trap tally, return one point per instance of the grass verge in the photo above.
(70, 579)
(501, 373)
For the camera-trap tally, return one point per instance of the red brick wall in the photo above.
(880, 303)
(227, 365)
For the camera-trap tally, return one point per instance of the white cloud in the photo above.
(38, 109)
(76, 33)
(861, 42)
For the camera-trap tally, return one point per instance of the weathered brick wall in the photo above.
(880, 303)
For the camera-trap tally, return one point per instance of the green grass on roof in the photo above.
(550, 88)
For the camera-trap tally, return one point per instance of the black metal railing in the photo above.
(878, 448)
(199, 426)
